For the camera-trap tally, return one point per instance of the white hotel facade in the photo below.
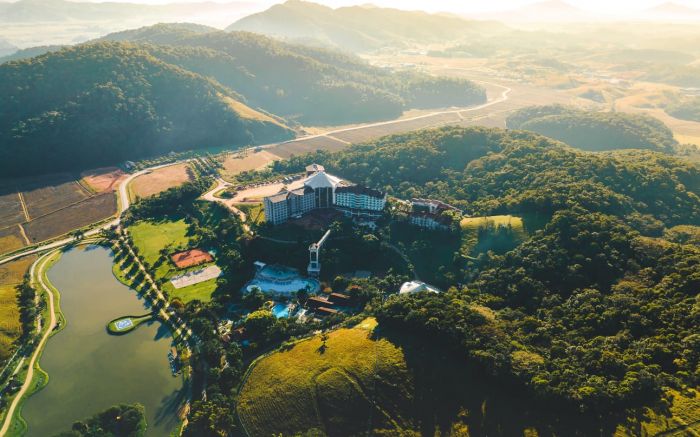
(322, 190)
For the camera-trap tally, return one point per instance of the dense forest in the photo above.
(304, 84)
(596, 312)
(594, 131)
(686, 109)
(118, 421)
(107, 102)
(487, 171)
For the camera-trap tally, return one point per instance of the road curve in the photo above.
(40, 346)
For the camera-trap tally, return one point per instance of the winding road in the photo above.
(124, 203)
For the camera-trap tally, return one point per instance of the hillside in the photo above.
(107, 102)
(595, 131)
(686, 109)
(29, 53)
(357, 28)
(493, 171)
(304, 84)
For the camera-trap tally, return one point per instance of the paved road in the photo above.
(228, 203)
(49, 328)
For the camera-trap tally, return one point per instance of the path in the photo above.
(228, 203)
(49, 329)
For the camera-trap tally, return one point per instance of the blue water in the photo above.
(280, 310)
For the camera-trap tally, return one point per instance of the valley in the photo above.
(299, 219)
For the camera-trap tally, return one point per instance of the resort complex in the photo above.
(322, 190)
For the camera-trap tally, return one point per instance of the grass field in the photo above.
(160, 180)
(11, 275)
(255, 212)
(369, 381)
(236, 163)
(481, 234)
(11, 212)
(309, 386)
(151, 238)
(11, 239)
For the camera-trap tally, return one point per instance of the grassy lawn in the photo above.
(151, 238)
(201, 291)
(499, 233)
(254, 212)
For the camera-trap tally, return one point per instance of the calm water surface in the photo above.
(90, 370)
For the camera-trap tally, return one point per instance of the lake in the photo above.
(90, 370)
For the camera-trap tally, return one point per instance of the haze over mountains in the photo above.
(357, 28)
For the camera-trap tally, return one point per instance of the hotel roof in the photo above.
(359, 189)
(322, 180)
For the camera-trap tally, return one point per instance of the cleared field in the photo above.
(499, 233)
(11, 275)
(160, 180)
(151, 238)
(103, 179)
(11, 239)
(11, 211)
(300, 147)
(73, 217)
(61, 192)
(235, 163)
(329, 388)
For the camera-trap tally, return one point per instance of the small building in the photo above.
(340, 299)
(417, 287)
(325, 311)
(316, 302)
(429, 214)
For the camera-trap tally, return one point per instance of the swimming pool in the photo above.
(281, 280)
(280, 310)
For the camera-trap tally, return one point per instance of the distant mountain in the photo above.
(300, 83)
(29, 53)
(357, 28)
(98, 104)
(38, 11)
(6, 47)
(672, 12)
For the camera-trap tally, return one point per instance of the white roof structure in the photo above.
(416, 287)
(322, 179)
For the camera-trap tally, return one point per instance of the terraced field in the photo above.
(72, 217)
(11, 212)
(11, 239)
(44, 199)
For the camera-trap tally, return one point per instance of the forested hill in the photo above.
(497, 171)
(102, 103)
(359, 28)
(595, 131)
(308, 85)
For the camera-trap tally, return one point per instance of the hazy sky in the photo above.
(484, 5)
(460, 6)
